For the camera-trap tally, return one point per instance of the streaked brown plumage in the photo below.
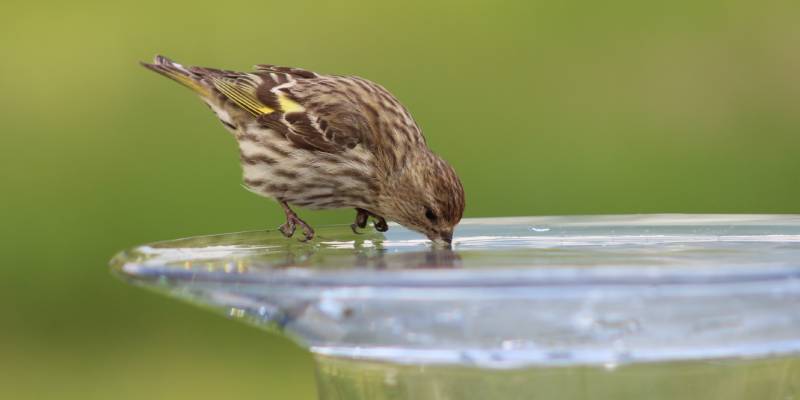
(326, 141)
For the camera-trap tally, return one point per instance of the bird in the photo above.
(323, 141)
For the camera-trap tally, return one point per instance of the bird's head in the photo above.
(426, 196)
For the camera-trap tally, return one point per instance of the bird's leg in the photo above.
(292, 220)
(361, 220)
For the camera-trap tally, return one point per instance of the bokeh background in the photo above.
(544, 107)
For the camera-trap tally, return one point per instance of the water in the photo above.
(639, 307)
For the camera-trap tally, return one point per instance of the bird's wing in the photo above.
(296, 103)
(329, 119)
(299, 104)
(315, 112)
(240, 88)
(346, 111)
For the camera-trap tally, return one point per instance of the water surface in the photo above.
(512, 293)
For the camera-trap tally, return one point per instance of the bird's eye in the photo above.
(430, 215)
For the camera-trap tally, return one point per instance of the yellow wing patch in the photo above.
(288, 105)
(247, 99)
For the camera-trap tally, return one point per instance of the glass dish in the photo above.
(600, 307)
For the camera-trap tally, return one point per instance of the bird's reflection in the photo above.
(366, 252)
(262, 251)
(431, 259)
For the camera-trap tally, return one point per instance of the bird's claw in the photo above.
(308, 232)
(361, 221)
(381, 225)
(288, 228)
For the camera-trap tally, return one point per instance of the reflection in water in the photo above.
(433, 258)
(267, 250)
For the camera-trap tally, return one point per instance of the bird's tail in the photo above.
(179, 73)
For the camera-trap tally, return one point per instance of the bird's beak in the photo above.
(447, 237)
(444, 238)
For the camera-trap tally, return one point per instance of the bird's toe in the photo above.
(381, 225)
(287, 229)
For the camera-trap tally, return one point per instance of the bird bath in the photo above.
(599, 307)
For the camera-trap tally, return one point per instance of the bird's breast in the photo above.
(272, 167)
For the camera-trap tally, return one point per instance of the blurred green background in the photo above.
(544, 107)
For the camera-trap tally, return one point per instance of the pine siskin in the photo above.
(326, 141)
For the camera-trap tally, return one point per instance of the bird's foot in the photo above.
(380, 224)
(308, 231)
(361, 221)
(292, 220)
(288, 228)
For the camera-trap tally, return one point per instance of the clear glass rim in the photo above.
(151, 261)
